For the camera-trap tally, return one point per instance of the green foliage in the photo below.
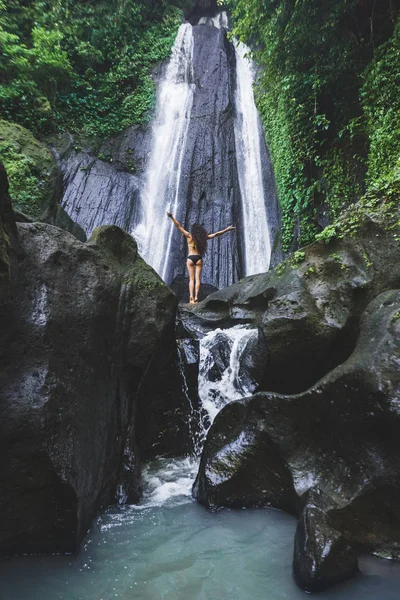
(312, 56)
(28, 164)
(371, 207)
(297, 258)
(381, 102)
(82, 66)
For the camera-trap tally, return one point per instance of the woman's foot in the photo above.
(191, 300)
(195, 301)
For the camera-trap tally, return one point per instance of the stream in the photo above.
(171, 548)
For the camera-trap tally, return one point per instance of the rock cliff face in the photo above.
(106, 190)
(81, 329)
(322, 440)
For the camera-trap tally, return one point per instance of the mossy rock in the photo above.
(30, 166)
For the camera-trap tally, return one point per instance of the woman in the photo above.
(197, 246)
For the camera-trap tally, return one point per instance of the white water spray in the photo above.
(222, 383)
(248, 155)
(161, 190)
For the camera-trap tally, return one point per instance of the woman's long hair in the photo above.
(199, 235)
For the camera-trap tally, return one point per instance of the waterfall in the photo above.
(222, 378)
(161, 189)
(248, 134)
(227, 372)
(208, 163)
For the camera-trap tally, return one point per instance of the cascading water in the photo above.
(161, 190)
(248, 133)
(221, 375)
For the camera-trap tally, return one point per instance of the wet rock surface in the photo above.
(322, 556)
(80, 334)
(98, 191)
(341, 436)
(242, 467)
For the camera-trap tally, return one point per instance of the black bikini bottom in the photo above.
(195, 258)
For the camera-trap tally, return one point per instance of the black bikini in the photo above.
(195, 258)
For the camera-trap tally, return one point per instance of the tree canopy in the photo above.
(82, 65)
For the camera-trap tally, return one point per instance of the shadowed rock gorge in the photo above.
(281, 387)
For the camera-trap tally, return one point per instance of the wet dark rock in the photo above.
(241, 466)
(85, 325)
(95, 192)
(341, 436)
(322, 556)
(54, 213)
(8, 234)
(309, 308)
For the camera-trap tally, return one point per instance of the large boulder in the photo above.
(322, 556)
(86, 326)
(341, 436)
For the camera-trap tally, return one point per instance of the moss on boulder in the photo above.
(30, 167)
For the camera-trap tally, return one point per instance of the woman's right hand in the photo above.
(169, 215)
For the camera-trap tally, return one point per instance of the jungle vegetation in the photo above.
(327, 87)
(82, 65)
(328, 94)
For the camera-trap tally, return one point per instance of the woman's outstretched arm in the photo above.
(213, 235)
(178, 225)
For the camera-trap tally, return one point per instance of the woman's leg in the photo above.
(199, 267)
(190, 268)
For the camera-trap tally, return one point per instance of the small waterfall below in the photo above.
(227, 372)
(222, 377)
(164, 172)
(248, 136)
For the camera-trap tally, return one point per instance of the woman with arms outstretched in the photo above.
(197, 246)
